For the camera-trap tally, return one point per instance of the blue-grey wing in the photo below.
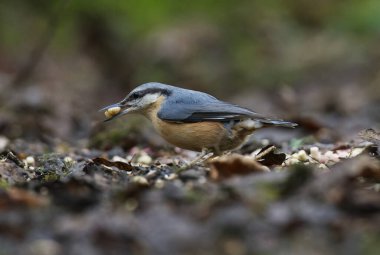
(189, 110)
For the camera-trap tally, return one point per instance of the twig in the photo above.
(265, 152)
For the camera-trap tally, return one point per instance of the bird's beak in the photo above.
(120, 109)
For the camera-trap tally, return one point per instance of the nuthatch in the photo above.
(191, 119)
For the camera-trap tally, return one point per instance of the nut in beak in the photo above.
(111, 112)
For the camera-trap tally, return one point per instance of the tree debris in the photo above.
(118, 164)
(233, 165)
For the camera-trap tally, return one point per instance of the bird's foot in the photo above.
(205, 155)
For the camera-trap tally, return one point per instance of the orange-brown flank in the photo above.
(194, 136)
(190, 136)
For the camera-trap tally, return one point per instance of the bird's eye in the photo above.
(134, 96)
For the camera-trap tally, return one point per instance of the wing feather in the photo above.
(188, 106)
(203, 109)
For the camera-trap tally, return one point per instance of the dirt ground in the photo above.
(71, 184)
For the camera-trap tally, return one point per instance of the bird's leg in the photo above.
(205, 154)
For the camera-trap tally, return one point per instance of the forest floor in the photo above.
(316, 191)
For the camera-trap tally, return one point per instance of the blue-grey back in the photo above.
(183, 105)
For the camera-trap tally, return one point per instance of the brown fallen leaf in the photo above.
(118, 164)
(19, 197)
(231, 165)
(268, 157)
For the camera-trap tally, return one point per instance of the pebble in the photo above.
(120, 159)
(159, 184)
(30, 161)
(292, 161)
(68, 160)
(3, 142)
(343, 153)
(152, 174)
(328, 157)
(302, 156)
(331, 156)
(140, 180)
(144, 159)
(315, 153)
(171, 176)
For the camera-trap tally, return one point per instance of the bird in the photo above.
(192, 120)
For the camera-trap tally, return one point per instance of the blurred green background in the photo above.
(81, 55)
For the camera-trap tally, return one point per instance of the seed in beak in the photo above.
(112, 111)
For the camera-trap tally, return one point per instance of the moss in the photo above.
(52, 167)
(3, 184)
(125, 134)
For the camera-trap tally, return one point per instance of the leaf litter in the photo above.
(234, 200)
(312, 192)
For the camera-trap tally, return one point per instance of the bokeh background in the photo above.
(315, 62)
(71, 184)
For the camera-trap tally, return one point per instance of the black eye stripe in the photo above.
(135, 95)
(142, 93)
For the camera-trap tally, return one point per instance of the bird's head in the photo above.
(138, 100)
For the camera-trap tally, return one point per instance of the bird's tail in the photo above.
(278, 123)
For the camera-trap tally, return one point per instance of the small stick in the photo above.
(265, 152)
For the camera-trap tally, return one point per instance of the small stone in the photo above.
(140, 180)
(152, 174)
(159, 184)
(302, 156)
(293, 161)
(343, 153)
(331, 156)
(171, 176)
(3, 142)
(144, 159)
(68, 160)
(315, 153)
(120, 159)
(30, 161)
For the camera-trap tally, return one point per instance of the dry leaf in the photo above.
(118, 164)
(20, 197)
(228, 166)
(267, 157)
